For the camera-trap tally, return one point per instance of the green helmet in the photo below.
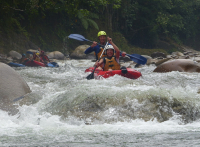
(101, 33)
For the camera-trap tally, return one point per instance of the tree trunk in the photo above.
(109, 15)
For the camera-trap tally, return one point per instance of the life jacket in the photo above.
(37, 58)
(99, 54)
(111, 64)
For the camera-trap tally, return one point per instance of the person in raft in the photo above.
(111, 61)
(44, 57)
(23, 60)
(98, 49)
(36, 57)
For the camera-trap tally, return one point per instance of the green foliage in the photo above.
(142, 22)
(19, 28)
(84, 17)
(93, 23)
(143, 51)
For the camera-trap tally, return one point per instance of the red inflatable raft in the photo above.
(35, 63)
(131, 73)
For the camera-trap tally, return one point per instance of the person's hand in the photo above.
(123, 54)
(97, 64)
(109, 40)
(94, 44)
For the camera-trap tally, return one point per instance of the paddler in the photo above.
(23, 60)
(44, 57)
(96, 48)
(36, 57)
(111, 61)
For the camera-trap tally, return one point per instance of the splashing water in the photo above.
(66, 109)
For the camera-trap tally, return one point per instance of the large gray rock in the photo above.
(12, 86)
(15, 55)
(181, 65)
(177, 54)
(31, 51)
(5, 59)
(149, 59)
(78, 53)
(56, 55)
(158, 62)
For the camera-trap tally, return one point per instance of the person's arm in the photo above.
(46, 58)
(115, 47)
(91, 48)
(99, 63)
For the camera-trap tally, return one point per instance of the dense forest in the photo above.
(141, 23)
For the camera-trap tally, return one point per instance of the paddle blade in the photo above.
(29, 52)
(50, 65)
(90, 76)
(78, 37)
(55, 64)
(137, 58)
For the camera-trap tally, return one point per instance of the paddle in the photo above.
(91, 76)
(134, 57)
(137, 58)
(29, 52)
(78, 37)
(81, 38)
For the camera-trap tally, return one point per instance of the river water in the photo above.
(66, 109)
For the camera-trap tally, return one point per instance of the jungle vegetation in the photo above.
(140, 23)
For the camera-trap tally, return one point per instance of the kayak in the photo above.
(131, 73)
(52, 64)
(15, 64)
(55, 64)
(35, 63)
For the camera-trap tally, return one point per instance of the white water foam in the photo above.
(34, 124)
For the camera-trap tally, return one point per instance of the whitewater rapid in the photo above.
(66, 109)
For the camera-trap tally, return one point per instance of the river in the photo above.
(66, 109)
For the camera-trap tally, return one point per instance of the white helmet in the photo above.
(109, 47)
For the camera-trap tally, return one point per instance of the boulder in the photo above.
(12, 88)
(158, 62)
(149, 59)
(177, 54)
(15, 55)
(5, 59)
(56, 55)
(181, 65)
(78, 53)
(197, 59)
(31, 50)
(183, 57)
(158, 54)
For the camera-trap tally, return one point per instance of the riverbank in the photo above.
(21, 42)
